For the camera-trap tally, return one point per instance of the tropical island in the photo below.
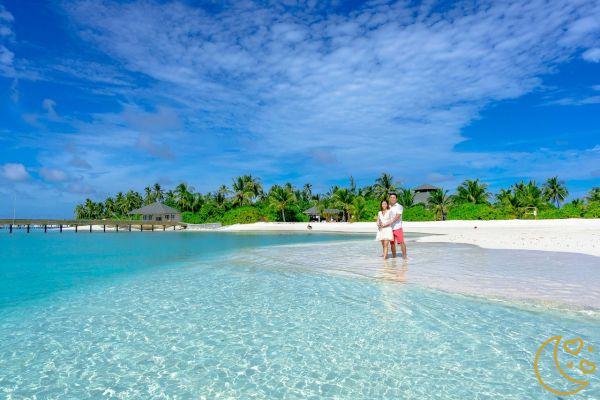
(246, 200)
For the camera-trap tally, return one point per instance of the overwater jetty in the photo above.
(88, 225)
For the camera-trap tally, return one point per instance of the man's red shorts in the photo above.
(399, 235)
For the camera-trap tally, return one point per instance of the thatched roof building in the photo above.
(423, 192)
(157, 212)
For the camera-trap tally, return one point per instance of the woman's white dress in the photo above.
(386, 232)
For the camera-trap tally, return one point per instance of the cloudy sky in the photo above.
(103, 96)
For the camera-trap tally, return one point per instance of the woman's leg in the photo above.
(385, 244)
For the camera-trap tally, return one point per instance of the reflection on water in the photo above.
(394, 270)
(548, 278)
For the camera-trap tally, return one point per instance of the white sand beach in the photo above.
(564, 235)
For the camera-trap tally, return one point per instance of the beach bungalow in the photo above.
(332, 214)
(423, 192)
(328, 214)
(313, 214)
(157, 212)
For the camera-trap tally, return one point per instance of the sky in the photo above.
(103, 96)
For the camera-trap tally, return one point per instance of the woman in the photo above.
(384, 223)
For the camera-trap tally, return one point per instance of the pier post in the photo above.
(164, 228)
(9, 228)
(152, 227)
(60, 228)
(104, 228)
(129, 227)
(27, 228)
(90, 228)
(45, 228)
(117, 227)
(174, 227)
(76, 226)
(141, 228)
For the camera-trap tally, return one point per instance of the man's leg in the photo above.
(403, 246)
(393, 244)
(399, 237)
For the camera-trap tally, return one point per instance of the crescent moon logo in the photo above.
(572, 347)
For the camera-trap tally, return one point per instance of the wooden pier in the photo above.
(117, 225)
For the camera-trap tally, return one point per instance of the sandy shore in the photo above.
(564, 235)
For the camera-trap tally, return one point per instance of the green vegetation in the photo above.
(246, 201)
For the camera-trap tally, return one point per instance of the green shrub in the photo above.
(567, 211)
(267, 212)
(296, 215)
(371, 209)
(190, 217)
(470, 211)
(592, 210)
(241, 215)
(418, 213)
(208, 213)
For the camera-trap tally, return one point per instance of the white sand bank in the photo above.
(564, 235)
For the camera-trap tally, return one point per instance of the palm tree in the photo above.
(529, 195)
(332, 190)
(197, 202)
(281, 198)
(343, 198)
(367, 191)
(471, 191)
(307, 191)
(504, 196)
(358, 208)
(245, 189)
(79, 211)
(170, 198)
(257, 187)
(384, 185)
(133, 200)
(406, 198)
(577, 202)
(555, 191)
(439, 201)
(148, 196)
(352, 185)
(221, 195)
(594, 194)
(110, 207)
(184, 197)
(120, 205)
(158, 192)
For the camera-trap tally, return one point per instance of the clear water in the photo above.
(176, 315)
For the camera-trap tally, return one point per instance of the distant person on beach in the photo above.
(384, 223)
(397, 211)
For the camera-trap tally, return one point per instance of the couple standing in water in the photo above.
(389, 223)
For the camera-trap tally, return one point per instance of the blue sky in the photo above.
(103, 96)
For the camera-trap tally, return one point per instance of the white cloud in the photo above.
(6, 56)
(6, 34)
(53, 175)
(14, 172)
(270, 90)
(592, 55)
(48, 105)
(297, 82)
(5, 16)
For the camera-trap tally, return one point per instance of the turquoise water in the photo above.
(190, 315)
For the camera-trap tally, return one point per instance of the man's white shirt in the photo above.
(397, 209)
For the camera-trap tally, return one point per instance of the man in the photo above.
(397, 210)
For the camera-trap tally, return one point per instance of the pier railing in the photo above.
(60, 224)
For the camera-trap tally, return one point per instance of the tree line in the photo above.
(246, 200)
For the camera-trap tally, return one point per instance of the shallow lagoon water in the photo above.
(169, 315)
